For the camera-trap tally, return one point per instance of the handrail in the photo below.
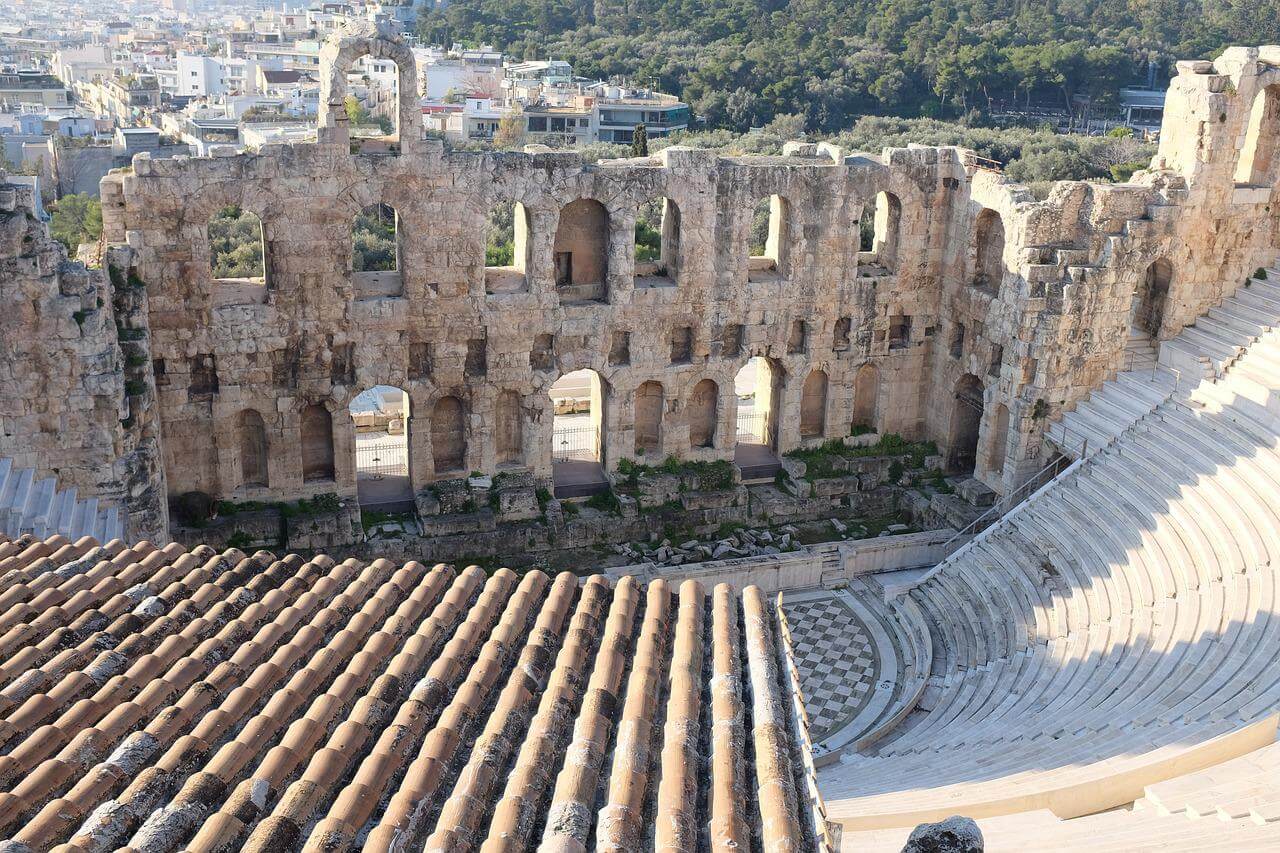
(1005, 501)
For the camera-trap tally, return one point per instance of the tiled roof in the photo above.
(157, 699)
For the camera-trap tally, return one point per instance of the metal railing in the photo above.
(382, 458)
(751, 427)
(574, 443)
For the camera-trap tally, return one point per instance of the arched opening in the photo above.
(368, 91)
(999, 440)
(380, 416)
(866, 398)
(506, 250)
(769, 239)
(813, 405)
(966, 423)
(237, 257)
(657, 243)
(577, 443)
(988, 253)
(317, 444)
(253, 450)
(840, 334)
(375, 252)
(757, 388)
(701, 414)
(878, 234)
(649, 404)
(1147, 310)
(508, 420)
(372, 103)
(1258, 154)
(581, 252)
(448, 436)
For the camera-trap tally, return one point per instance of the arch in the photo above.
(1257, 157)
(375, 251)
(317, 444)
(878, 230)
(354, 39)
(701, 413)
(237, 249)
(506, 251)
(757, 386)
(840, 334)
(581, 251)
(578, 444)
(577, 400)
(448, 435)
(966, 424)
(1150, 298)
(988, 254)
(813, 405)
(648, 418)
(253, 449)
(657, 242)
(769, 239)
(866, 397)
(508, 429)
(381, 421)
(999, 440)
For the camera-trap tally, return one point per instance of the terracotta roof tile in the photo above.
(160, 699)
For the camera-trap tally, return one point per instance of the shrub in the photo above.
(605, 501)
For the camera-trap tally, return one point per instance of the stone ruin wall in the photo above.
(313, 338)
(1050, 329)
(67, 406)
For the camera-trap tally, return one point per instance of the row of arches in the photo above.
(237, 244)
(580, 248)
(579, 401)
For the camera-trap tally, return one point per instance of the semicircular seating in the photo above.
(1116, 630)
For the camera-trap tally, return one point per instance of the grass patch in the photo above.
(711, 476)
(605, 501)
(821, 462)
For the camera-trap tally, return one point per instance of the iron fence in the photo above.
(382, 458)
(751, 427)
(574, 443)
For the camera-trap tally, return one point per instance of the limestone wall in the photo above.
(67, 407)
(312, 337)
(1043, 290)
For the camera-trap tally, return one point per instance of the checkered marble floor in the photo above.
(838, 666)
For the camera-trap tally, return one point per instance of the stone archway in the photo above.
(253, 450)
(578, 443)
(317, 444)
(1150, 297)
(508, 430)
(380, 417)
(448, 435)
(966, 425)
(581, 252)
(648, 420)
(813, 405)
(357, 38)
(866, 397)
(999, 441)
(704, 404)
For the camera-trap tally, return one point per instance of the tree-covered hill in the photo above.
(741, 63)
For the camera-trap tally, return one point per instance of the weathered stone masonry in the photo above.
(1042, 289)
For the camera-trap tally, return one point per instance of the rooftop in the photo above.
(170, 699)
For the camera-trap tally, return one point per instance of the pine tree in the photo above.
(639, 142)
